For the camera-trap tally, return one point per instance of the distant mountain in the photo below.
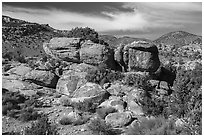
(114, 42)
(179, 38)
(25, 38)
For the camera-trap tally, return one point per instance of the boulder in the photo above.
(118, 89)
(138, 56)
(20, 70)
(43, 78)
(119, 119)
(95, 54)
(70, 81)
(13, 84)
(63, 48)
(114, 102)
(90, 92)
(133, 99)
(73, 78)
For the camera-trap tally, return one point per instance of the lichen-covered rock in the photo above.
(138, 56)
(133, 101)
(73, 78)
(95, 54)
(20, 70)
(63, 48)
(118, 89)
(91, 93)
(43, 78)
(114, 102)
(70, 81)
(119, 119)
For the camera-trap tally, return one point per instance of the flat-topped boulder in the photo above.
(63, 48)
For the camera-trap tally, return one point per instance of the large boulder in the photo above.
(43, 78)
(138, 56)
(95, 54)
(63, 48)
(91, 93)
(119, 119)
(20, 70)
(73, 78)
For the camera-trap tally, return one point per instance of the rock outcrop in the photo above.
(95, 54)
(43, 78)
(119, 119)
(138, 56)
(73, 79)
(63, 48)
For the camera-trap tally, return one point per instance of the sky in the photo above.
(135, 19)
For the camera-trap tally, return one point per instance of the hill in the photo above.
(114, 42)
(24, 38)
(179, 38)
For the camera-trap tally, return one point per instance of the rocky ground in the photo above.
(89, 87)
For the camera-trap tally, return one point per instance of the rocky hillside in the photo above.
(179, 38)
(24, 38)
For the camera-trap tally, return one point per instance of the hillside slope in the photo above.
(24, 38)
(179, 38)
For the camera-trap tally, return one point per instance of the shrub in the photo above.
(66, 121)
(102, 75)
(153, 106)
(100, 127)
(157, 126)
(86, 106)
(138, 80)
(28, 114)
(65, 101)
(104, 111)
(187, 97)
(42, 127)
(86, 34)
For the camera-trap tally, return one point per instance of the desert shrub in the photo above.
(65, 121)
(11, 100)
(104, 111)
(102, 75)
(86, 106)
(28, 114)
(65, 101)
(100, 127)
(187, 97)
(74, 122)
(153, 106)
(32, 102)
(138, 80)
(86, 34)
(156, 126)
(42, 127)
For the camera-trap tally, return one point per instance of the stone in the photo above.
(138, 56)
(70, 81)
(114, 102)
(20, 70)
(119, 119)
(95, 54)
(133, 103)
(118, 89)
(43, 78)
(63, 48)
(90, 92)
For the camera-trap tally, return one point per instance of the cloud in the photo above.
(143, 17)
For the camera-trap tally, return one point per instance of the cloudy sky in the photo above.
(142, 20)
